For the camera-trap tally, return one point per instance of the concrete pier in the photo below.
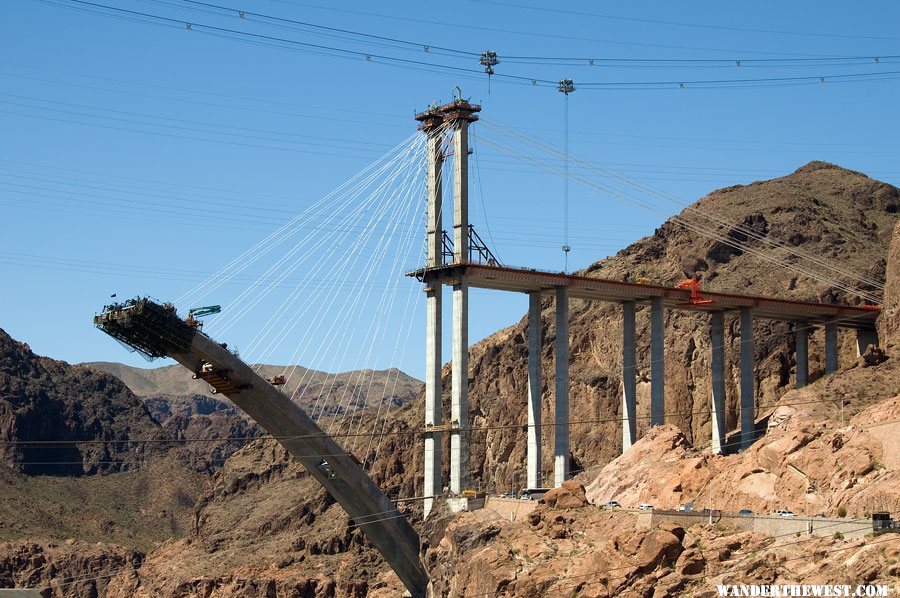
(717, 365)
(561, 425)
(657, 363)
(748, 400)
(461, 190)
(459, 114)
(534, 390)
(459, 391)
(831, 347)
(629, 379)
(433, 484)
(802, 353)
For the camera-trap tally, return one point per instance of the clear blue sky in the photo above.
(138, 157)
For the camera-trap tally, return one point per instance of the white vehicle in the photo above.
(784, 513)
(645, 506)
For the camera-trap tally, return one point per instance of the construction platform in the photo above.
(527, 280)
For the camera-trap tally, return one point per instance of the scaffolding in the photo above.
(152, 329)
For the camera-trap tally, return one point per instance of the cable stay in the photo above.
(693, 219)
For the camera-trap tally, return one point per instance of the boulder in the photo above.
(568, 496)
(658, 547)
(691, 562)
(873, 356)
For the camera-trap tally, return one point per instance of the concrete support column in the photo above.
(717, 363)
(864, 338)
(433, 482)
(461, 191)
(534, 390)
(561, 428)
(629, 371)
(831, 348)
(748, 400)
(434, 211)
(459, 391)
(802, 353)
(657, 363)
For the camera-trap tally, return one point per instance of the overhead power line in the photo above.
(581, 13)
(425, 47)
(465, 72)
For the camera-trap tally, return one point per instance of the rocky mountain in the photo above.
(44, 400)
(187, 410)
(821, 210)
(216, 429)
(317, 392)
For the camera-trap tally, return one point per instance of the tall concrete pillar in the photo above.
(461, 191)
(717, 365)
(460, 114)
(629, 381)
(802, 353)
(657, 363)
(748, 400)
(561, 427)
(831, 347)
(459, 390)
(433, 484)
(534, 390)
(864, 338)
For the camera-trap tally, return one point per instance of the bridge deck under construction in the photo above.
(526, 280)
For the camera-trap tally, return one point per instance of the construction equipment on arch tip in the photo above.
(199, 312)
(696, 291)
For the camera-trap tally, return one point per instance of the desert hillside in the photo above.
(821, 209)
(330, 393)
(42, 399)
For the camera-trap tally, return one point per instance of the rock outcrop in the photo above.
(42, 399)
(214, 429)
(611, 554)
(819, 456)
(69, 569)
(889, 321)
